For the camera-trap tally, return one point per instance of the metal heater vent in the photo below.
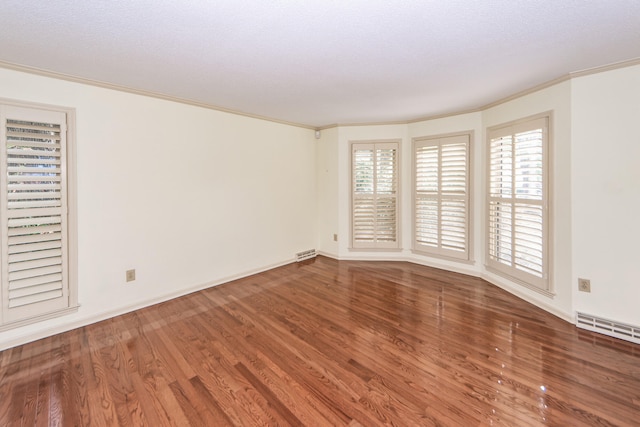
(608, 327)
(301, 256)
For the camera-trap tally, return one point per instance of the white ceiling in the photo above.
(322, 62)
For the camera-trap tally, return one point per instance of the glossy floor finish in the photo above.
(327, 343)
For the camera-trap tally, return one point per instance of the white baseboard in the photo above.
(514, 290)
(462, 269)
(98, 317)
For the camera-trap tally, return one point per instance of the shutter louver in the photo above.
(364, 208)
(441, 196)
(34, 217)
(427, 210)
(386, 195)
(374, 210)
(517, 202)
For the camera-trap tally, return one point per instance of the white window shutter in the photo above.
(517, 218)
(33, 211)
(374, 195)
(386, 193)
(441, 197)
(364, 208)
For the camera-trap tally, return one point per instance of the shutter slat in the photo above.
(33, 152)
(33, 179)
(34, 186)
(34, 230)
(40, 245)
(37, 171)
(24, 125)
(42, 216)
(30, 195)
(34, 297)
(36, 280)
(41, 146)
(23, 274)
(35, 204)
(42, 236)
(20, 136)
(20, 154)
(21, 261)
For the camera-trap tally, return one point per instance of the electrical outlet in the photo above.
(131, 275)
(584, 285)
(335, 237)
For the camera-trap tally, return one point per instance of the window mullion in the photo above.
(513, 200)
(375, 196)
(439, 196)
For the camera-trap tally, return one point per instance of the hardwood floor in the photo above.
(327, 343)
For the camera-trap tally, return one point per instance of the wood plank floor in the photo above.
(327, 343)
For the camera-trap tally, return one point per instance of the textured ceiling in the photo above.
(322, 62)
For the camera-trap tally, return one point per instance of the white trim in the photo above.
(76, 79)
(491, 278)
(372, 256)
(543, 121)
(328, 255)
(157, 95)
(441, 141)
(518, 292)
(13, 318)
(442, 257)
(41, 318)
(433, 263)
(374, 146)
(97, 317)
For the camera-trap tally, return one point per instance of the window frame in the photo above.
(543, 284)
(439, 251)
(7, 320)
(377, 245)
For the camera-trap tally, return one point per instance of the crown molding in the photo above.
(604, 68)
(558, 80)
(105, 85)
(82, 80)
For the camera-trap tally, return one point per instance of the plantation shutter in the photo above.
(33, 210)
(441, 210)
(517, 205)
(374, 195)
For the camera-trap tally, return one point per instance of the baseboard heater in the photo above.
(301, 256)
(608, 327)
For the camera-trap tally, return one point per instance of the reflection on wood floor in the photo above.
(327, 343)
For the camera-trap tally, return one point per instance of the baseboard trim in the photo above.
(78, 323)
(463, 269)
(567, 317)
(99, 317)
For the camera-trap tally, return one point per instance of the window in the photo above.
(441, 197)
(517, 206)
(34, 214)
(374, 217)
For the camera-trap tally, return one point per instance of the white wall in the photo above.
(606, 193)
(187, 196)
(327, 167)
